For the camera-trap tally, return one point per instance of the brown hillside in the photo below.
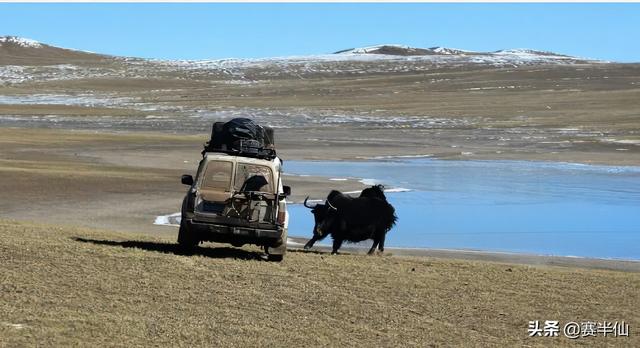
(13, 51)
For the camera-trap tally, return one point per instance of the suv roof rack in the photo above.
(268, 154)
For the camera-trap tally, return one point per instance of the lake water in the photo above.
(516, 206)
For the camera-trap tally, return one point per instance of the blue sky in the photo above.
(208, 31)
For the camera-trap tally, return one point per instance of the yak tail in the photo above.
(390, 218)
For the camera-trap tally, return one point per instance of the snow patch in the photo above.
(398, 189)
(369, 182)
(448, 50)
(397, 156)
(369, 49)
(24, 42)
(622, 141)
(168, 220)
(84, 99)
(291, 242)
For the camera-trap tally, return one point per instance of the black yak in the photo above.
(351, 219)
(375, 191)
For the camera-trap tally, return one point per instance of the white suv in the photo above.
(236, 200)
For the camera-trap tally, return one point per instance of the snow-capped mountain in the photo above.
(23, 60)
(401, 50)
(19, 41)
(393, 50)
(446, 50)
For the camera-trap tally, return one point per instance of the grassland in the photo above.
(64, 286)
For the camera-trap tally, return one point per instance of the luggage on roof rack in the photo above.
(241, 137)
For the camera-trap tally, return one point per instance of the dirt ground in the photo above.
(585, 113)
(112, 181)
(62, 286)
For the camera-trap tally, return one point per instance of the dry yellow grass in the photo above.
(64, 286)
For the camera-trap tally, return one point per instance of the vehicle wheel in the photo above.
(278, 255)
(275, 258)
(186, 240)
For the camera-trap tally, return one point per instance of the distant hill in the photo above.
(28, 61)
(20, 51)
(394, 50)
(400, 50)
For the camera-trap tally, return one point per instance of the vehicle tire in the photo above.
(275, 258)
(186, 239)
(279, 253)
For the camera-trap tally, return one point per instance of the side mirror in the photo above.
(187, 180)
(286, 190)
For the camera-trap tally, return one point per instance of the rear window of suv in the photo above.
(217, 176)
(253, 177)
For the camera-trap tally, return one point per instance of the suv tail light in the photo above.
(281, 217)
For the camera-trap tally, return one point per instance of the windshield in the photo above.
(253, 177)
(217, 176)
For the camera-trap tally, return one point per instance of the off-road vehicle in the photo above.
(237, 196)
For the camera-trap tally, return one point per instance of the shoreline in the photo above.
(623, 265)
(100, 174)
(296, 243)
(528, 258)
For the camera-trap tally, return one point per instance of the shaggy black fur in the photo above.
(375, 191)
(350, 219)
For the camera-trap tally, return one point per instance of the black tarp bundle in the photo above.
(241, 135)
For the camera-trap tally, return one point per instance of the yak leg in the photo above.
(376, 239)
(373, 247)
(337, 243)
(381, 245)
(311, 241)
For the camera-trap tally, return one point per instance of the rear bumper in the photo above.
(207, 231)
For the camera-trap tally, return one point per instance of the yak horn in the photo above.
(331, 205)
(305, 203)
